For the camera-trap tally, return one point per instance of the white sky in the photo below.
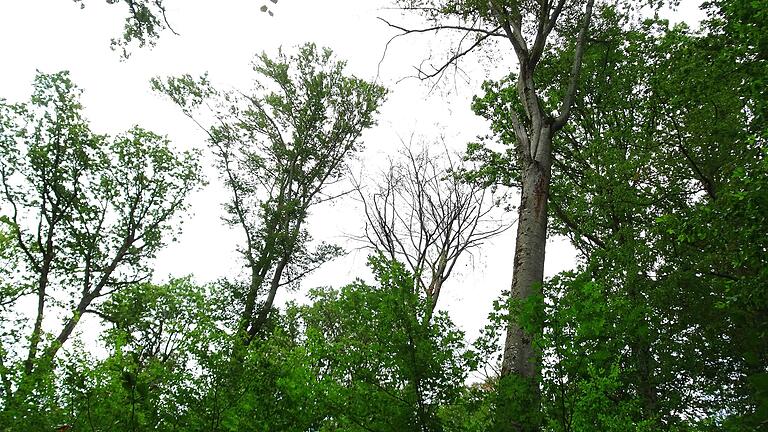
(53, 35)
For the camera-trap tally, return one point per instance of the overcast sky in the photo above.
(221, 37)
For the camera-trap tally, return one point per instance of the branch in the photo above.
(570, 95)
(543, 33)
(160, 6)
(456, 56)
(484, 34)
(574, 226)
(406, 31)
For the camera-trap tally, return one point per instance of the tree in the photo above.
(86, 212)
(279, 148)
(655, 156)
(155, 335)
(378, 363)
(541, 111)
(424, 215)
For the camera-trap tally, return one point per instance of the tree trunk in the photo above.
(640, 346)
(520, 371)
(266, 308)
(69, 327)
(37, 331)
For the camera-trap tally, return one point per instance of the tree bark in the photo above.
(37, 331)
(266, 308)
(520, 371)
(519, 403)
(528, 267)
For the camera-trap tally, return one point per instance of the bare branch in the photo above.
(420, 214)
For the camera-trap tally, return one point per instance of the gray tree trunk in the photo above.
(528, 266)
(520, 372)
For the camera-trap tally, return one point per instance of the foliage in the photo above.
(648, 183)
(659, 178)
(280, 149)
(145, 21)
(82, 213)
(381, 366)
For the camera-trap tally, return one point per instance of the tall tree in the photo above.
(542, 110)
(279, 148)
(86, 212)
(655, 156)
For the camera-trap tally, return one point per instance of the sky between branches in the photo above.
(221, 37)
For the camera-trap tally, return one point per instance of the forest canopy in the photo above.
(641, 142)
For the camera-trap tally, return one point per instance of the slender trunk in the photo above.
(266, 308)
(37, 331)
(640, 344)
(646, 385)
(257, 278)
(433, 291)
(520, 371)
(69, 327)
(432, 298)
(34, 340)
(88, 297)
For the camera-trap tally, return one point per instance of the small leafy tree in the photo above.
(85, 212)
(379, 364)
(155, 335)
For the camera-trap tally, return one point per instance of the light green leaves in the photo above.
(280, 147)
(86, 211)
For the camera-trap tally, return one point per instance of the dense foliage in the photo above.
(659, 178)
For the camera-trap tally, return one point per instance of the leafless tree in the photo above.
(420, 213)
